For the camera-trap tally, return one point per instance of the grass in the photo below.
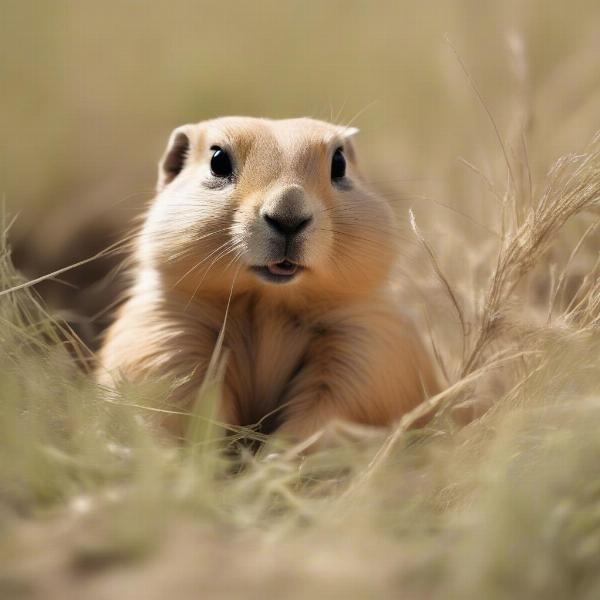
(498, 497)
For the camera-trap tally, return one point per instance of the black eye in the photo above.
(338, 164)
(220, 163)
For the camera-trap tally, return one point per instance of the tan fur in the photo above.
(329, 345)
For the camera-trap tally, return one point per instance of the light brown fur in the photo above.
(329, 345)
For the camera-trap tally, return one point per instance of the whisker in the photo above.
(222, 255)
(190, 249)
(199, 264)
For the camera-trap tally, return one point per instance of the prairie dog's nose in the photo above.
(286, 210)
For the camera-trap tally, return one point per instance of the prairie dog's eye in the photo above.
(220, 163)
(338, 164)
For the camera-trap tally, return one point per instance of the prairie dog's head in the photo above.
(273, 205)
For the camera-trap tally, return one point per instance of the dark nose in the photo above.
(286, 210)
(287, 224)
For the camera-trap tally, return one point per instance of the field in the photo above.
(479, 122)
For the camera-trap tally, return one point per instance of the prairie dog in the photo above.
(272, 219)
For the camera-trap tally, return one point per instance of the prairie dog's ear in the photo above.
(347, 134)
(175, 156)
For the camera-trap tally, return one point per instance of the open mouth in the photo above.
(280, 272)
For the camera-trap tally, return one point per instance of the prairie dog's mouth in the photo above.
(280, 272)
(285, 267)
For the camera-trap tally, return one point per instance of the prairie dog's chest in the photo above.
(266, 346)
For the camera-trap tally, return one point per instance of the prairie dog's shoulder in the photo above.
(158, 332)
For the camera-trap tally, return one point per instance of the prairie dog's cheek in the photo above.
(317, 246)
(183, 224)
(157, 234)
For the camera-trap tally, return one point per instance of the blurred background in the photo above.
(91, 90)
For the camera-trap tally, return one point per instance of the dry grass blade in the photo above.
(428, 407)
(441, 277)
(28, 284)
(574, 187)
